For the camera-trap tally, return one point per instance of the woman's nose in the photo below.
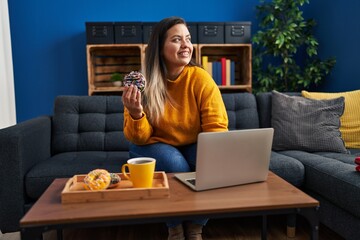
(185, 43)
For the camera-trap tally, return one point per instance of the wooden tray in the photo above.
(74, 191)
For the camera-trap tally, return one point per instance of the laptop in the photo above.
(230, 158)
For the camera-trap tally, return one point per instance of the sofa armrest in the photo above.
(21, 147)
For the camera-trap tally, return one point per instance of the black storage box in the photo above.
(193, 31)
(147, 30)
(237, 32)
(128, 32)
(211, 32)
(99, 32)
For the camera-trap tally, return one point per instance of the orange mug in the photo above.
(141, 171)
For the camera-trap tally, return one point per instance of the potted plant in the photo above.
(284, 39)
(116, 78)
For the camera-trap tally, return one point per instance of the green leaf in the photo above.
(284, 34)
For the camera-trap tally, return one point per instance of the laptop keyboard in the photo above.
(191, 181)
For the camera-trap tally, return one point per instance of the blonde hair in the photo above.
(155, 94)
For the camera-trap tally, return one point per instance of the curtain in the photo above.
(7, 93)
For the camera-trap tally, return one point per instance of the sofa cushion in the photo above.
(354, 151)
(333, 176)
(350, 120)
(306, 124)
(264, 101)
(242, 110)
(66, 165)
(345, 158)
(88, 123)
(288, 168)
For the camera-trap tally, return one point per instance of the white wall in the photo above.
(7, 95)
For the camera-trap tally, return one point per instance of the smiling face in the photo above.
(177, 50)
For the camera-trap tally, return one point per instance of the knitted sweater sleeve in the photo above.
(137, 131)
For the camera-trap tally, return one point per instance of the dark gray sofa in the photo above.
(86, 132)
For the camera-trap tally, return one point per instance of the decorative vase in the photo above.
(117, 83)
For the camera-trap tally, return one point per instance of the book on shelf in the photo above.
(217, 72)
(222, 71)
(204, 61)
(214, 72)
(232, 73)
(210, 68)
(228, 73)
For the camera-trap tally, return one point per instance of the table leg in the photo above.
(311, 215)
(264, 227)
(291, 225)
(59, 234)
(31, 233)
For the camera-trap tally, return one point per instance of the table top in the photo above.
(274, 193)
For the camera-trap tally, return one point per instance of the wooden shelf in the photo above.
(105, 59)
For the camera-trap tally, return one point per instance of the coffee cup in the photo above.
(141, 171)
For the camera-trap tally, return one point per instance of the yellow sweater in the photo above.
(198, 107)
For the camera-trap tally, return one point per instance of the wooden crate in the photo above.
(74, 191)
(104, 60)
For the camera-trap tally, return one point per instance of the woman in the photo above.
(180, 100)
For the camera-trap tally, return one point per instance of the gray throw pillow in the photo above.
(306, 124)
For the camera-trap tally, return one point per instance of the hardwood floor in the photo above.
(248, 228)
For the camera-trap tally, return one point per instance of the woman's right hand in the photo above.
(131, 98)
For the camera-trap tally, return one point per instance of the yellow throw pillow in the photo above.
(350, 120)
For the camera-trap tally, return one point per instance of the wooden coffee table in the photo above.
(274, 196)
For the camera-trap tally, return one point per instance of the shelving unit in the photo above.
(105, 59)
(240, 54)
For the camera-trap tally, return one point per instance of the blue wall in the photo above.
(338, 33)
(48, 40)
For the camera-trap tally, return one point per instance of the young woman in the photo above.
(180, 100)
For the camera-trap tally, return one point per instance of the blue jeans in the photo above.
(169, 159)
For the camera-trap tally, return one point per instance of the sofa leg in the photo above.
(291, 225)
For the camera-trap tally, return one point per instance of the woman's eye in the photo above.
(176, 40)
